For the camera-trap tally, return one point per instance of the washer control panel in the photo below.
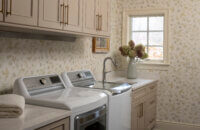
(41, 84)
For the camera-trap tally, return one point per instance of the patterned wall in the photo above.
(179, 87)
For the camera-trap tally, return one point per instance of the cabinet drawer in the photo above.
(137, 94)
(58, 125)
(151, 89)
(151, 101)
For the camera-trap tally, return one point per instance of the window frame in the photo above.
(128, 14)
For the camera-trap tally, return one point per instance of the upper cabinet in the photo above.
(91, 17)
(21, 11)
(104, 17)
(61, 14)
(73, 15)
(96, 17)
(51, 13)
(1, 10)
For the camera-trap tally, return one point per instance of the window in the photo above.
(149, 31)
(150, 28)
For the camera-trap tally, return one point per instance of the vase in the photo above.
(132, 69)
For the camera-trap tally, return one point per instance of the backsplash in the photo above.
(26, 57)
(179, 87)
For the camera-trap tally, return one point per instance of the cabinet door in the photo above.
(90, 18)
(21, 11)
(73, 15)
(104, 18)
(138, 118)
(59, 125)
(1, 10)
(51, 13)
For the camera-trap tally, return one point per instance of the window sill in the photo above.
(153, 66)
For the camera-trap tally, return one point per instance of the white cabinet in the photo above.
(21, 12)
(51, 13)
(144, 108)
(96, 17)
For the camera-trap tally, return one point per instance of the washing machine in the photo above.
(88, 107)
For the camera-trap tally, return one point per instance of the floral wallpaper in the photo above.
(179, 86)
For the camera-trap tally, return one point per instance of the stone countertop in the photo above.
(136, 83)
(33, 117)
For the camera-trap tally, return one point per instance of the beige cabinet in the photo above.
(144, 108)
(1, 10)
(104, 17)
(61, 14)
(58, 125)
(96, 17)
(73, 15)
(90, 16)
(21, 11)
(51, 13)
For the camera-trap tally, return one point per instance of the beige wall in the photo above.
(179, 87)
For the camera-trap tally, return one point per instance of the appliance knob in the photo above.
(80, 75)
(43, 81)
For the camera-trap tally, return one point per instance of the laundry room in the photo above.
(72, 65)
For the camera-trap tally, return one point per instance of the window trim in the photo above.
(145, 12)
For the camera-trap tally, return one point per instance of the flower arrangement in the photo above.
(133, 51)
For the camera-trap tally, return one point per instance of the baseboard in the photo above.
(164, 125)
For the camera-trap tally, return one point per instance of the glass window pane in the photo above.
(139, 23)
(156, 38)
(156, 53)
(139, 37)
(156, 23)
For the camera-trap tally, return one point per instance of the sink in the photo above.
(121, 82)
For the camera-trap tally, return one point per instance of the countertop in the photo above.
(136, 83)
(33, 117)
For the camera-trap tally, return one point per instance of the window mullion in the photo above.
(147, 35)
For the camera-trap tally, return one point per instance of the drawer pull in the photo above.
(62, 11)
(151, 121)
(152, 87)
(152, 102)
(140, 114)
(9, 12)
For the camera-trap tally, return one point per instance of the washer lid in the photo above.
(74, 99)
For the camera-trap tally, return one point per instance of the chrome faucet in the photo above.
(104, 67)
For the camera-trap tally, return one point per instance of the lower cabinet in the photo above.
(144, 108)
(58, 125)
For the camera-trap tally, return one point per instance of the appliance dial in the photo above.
(43, 81)
(80, 75)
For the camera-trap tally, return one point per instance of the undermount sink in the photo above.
(121, 82)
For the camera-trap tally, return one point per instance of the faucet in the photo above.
(104, 67)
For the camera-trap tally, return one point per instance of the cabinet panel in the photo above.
(59, 125)
(90, 8)
(21, 11)
(51, 13)
(1, 10)
(138, 115)
(104, 19)
(73, 15)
